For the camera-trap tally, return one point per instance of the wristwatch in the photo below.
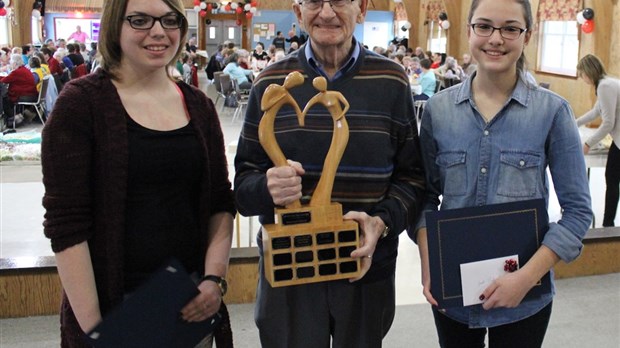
(221, 282)
(386, 231)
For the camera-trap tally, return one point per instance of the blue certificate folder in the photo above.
(457, 236)
(151, 316)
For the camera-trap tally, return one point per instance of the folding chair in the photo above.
(242, 100)
(39, 104)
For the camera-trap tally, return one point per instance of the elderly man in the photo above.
(22, 87)
(379, 181)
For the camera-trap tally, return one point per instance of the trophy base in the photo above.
(310, 245)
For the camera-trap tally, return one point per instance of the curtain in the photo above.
(400, 14)
(433, 8)
(558, 10)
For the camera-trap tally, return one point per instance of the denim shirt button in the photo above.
(486, 132)
(483, 170)
(521, 163)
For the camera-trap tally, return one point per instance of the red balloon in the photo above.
(209, 7)
(196, 2)
(254, 3)
(239, 9)
(587, 26)
(239, 22)
(228, 7)
(203, 13)
(2, 11)
(248, 15)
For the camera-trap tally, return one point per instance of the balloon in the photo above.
(203, 5)
(197, 8)
(228, 7)
(407, 25)
(214, 6)
(36, 13)
(208, 21)
(253, 10)
(234, 5)
(254, 3)
(3, 11)
(1, 4)
(443, 16)
(203, 13)
(239, 10)
(247, 7)
(445, 24)
(248, 15)
(587, 26)
(239, 22)
(580, 18)
(196, 2)
(588, 13)
(209, 7)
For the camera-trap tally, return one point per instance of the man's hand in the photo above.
(371, 228)
(205, 304)
(284, 183)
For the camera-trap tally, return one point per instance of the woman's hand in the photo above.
(506, 291)
(205, 305)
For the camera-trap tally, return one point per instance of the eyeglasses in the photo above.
(485, 30)
(314, 5)
(146, 22)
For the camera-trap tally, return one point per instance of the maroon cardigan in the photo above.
(84, 157)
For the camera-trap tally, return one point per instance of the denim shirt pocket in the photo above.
(517, 173)
(453, 169)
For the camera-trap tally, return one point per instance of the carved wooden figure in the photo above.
(312, 243)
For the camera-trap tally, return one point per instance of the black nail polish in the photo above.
(481, 298)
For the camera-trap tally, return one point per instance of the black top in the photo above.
(262, 56)
(162, 218)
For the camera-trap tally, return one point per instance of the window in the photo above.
(436, 38)
(559, 47)
(4, 30)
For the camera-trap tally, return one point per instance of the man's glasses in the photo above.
(146, 22)
(485, 30)
(314, 5)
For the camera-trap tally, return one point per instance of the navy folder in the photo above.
(457, 236)
(151, 316)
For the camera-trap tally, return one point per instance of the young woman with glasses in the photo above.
(491, 141)
(135, 173)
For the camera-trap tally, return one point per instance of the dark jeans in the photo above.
(612, 179)
(7, 106)
(529, 332)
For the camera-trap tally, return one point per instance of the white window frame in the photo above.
(5, 30)
(558, 50)
(437, 39)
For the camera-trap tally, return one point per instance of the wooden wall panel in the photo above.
(598, 257)
(29, 292)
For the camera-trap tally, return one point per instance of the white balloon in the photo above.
(247, 7)
(253, 10)
(203, 5)
(445, 24)
(407, 25)
(580, 18)
(197, 8)
(36, 13)
(234, 5)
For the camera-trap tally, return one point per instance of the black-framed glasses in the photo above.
(146, 22)
(314, 5)
(509, 32)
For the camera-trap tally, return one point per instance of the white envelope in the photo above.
(477, 276)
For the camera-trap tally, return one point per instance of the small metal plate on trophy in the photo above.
(310, 243)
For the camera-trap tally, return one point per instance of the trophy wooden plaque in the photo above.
(308, 243)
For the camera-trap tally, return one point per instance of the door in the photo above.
(222, 30)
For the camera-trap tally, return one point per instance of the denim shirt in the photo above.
(470, 162)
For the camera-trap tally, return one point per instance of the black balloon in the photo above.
(588, 13)
(1, 4)
(207, 21)
(443, 16)
(403, 28)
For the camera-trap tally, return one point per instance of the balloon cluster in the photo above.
(2, 9)
(244, 7)
(585, 19)
(444, 23)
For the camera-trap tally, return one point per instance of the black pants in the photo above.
(529, 332)
(612, 179)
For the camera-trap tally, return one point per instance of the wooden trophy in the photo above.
(310, 243)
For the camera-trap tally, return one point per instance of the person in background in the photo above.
(54, 65)
(294, 47)
(26, 53)
(74, 54)
(292, 36)
(22, 87)
(279, 41)
(436, 60)
(259, 57)
(135, 173)
(85, 54)
(79, 36)
(379, 181)
(591, 70)
(240, 75)
(468, 65)
(491, 140)
(427, 80)
(62, 47)
(37, 70)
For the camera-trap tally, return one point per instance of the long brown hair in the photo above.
(112, 18)
(593, 68)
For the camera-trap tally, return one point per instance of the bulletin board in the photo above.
(264, 31)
